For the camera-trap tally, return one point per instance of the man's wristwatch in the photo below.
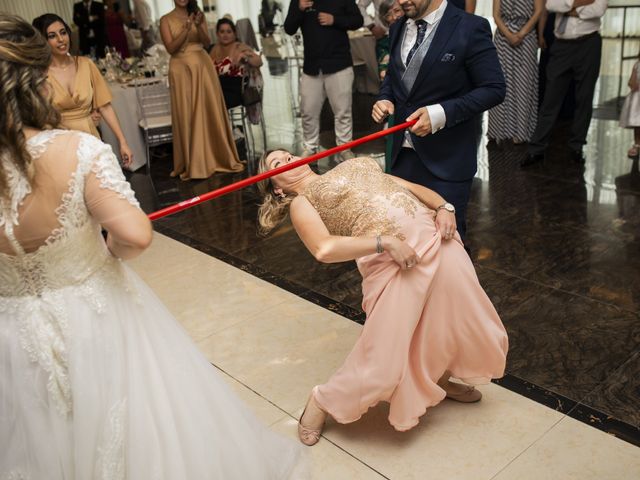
(447, 206)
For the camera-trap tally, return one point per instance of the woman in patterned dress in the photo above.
(517, 45)
(428, 318)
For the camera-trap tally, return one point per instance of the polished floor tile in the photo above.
(329, 461)
(486, 436)
(285, 350)
(573, 451)
(271, 358)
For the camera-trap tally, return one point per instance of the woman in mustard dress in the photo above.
(202, 139)
(80, 93)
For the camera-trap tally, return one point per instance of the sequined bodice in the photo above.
(357, 199)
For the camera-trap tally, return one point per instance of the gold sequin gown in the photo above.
(90, 91)
(202, 139)
(420, 322)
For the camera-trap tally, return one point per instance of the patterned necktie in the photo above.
(422, 28)
(562, 24)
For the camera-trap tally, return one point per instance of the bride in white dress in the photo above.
(97, 380)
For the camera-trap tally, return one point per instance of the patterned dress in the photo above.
(516, 117)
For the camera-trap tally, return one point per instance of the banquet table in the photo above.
(125, 105)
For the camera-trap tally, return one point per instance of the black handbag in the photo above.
(251, 96)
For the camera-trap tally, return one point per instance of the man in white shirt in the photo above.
(144, 20)
(575, 55)
(373, 23)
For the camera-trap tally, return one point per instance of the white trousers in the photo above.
(313, 91)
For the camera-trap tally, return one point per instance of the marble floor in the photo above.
(556, 246)
(275, 347)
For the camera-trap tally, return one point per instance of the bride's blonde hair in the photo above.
(274, 208)
(24, 59)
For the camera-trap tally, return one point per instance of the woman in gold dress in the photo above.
(80, 93)
(202, 139)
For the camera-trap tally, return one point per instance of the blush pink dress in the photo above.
(420, 322)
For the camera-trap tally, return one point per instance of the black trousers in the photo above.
(409, 167)
(577, 60)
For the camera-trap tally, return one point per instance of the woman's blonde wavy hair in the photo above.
(274, 208)
(24, 102)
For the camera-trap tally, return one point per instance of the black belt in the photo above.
(579, 39)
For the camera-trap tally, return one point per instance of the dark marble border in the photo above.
(560, 403)
(578, 411)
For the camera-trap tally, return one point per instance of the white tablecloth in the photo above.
(126, 107)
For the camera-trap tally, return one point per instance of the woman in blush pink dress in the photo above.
(428, 318)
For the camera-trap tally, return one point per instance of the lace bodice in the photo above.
(357, 199)
(72, 259)
(75, 249)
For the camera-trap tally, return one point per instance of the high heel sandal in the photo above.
(634, 151)
(309, 436)
(470, 395)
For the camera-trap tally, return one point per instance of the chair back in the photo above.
(153, 98)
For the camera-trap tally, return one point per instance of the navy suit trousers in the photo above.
(409, 167)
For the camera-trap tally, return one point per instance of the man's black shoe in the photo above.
(531, 159)
(577, 156)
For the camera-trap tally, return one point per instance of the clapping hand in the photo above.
(198, 17)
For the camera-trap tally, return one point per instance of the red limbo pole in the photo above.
(262, 176)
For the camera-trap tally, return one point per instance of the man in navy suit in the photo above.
(444, 72)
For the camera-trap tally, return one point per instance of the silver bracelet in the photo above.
(379, 248)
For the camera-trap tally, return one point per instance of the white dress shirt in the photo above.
(142, 14)
(587, 21)
(363, 5)
(436, 112)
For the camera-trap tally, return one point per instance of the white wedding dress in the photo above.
(97, 379)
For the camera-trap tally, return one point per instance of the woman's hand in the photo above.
(96, 117)
(401, 252)
(446, 223)
(513, 39)
(198, 17)
(542, 43)
(190, 20)
(126, 154)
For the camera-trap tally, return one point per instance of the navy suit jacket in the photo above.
(461, 72)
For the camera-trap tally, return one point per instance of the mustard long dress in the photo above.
(202, 139)
(90, 91)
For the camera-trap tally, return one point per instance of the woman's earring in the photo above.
(282, 195)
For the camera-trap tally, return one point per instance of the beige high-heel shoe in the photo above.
(310, 436)
(470, 395)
